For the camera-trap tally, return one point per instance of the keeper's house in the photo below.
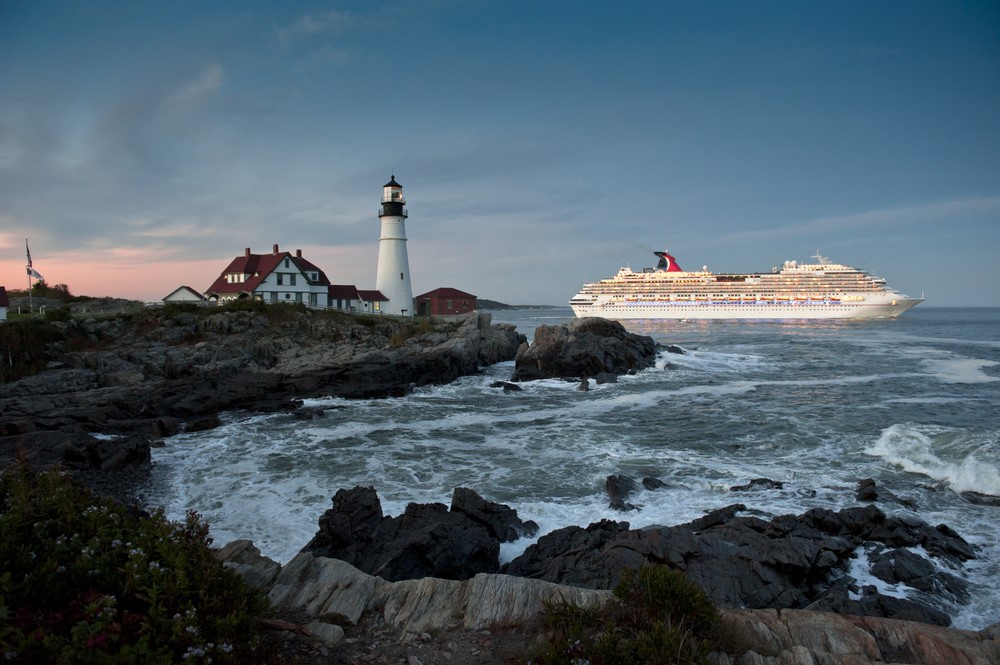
(444, 301)
(4, 304)
(273, 278)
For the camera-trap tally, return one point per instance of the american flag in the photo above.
(31, 271)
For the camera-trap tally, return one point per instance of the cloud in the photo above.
(332, 23)
(206, 84)
(942, 211)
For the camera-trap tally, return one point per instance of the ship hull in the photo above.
(761, 310)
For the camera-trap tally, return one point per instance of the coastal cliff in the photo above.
(107, 387)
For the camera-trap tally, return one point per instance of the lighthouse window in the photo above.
(401, 275)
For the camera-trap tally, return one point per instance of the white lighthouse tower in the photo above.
(393, 279)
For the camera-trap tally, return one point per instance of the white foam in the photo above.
(919, 451)
(960, 370)
(860, 570)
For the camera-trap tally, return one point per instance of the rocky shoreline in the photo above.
(359, 583)
(112, 388)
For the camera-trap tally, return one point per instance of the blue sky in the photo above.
(540, 144)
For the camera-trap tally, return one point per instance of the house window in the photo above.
(298, 295)
(274, 296)
(447, 304)
(377, 306)
(281, 279)
(291, 279)
(286, 263)
(288, 296)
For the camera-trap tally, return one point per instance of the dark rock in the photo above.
(499, 520)
(874, 604)
(506, 385)
(745, 561)
(651, 483)
(202, 423)
(74, 451)
(606, 377)
(619, 488)
(866, 490)
(981, 499)
(673, 348)
(425, 541)
(584, 385)
(578, 556)
(308, 414)
(758, 484)
(584, 347)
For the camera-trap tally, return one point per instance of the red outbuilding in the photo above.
(444, 301)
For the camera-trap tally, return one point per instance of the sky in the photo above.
(540, 145)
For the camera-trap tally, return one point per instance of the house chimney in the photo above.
(298, 253)
(275, 250)
(247, 252)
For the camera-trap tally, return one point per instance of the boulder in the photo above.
(427, 540)
(619, 488)
(583, 348)
(866, 490)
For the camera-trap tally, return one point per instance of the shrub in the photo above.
(658, 616)
(86, 580)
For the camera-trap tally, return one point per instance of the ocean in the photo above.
(913, 403)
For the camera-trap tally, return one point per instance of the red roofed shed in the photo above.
(444, 301)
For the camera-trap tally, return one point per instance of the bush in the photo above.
(658, 616)
(86, 580)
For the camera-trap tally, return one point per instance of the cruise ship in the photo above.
(820, 290)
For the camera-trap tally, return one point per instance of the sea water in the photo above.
(818, 405)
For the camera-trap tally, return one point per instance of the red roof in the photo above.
(258, 267)
(447, 292)
(4, 301)
(344, 291)
(372, 296)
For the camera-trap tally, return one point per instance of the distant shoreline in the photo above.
(493, 305)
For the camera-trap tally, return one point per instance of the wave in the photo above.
(941, 455)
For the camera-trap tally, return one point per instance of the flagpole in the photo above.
(31, 307)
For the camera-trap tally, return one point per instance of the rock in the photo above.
(506, 385)
(244, 558)
(980, 499)
(807, 638)
(620, 488)
(499, 520)
(155, 374)
(758, 484)
(651, 483)
(584, 385)
(329, 634)
(75, 451)
(787, 562)
(606, 377)
(320, 586)
(425, 541)
(866, 490)
(583, 348)
(673, 348)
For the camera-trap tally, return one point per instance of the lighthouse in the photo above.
(393, 279)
